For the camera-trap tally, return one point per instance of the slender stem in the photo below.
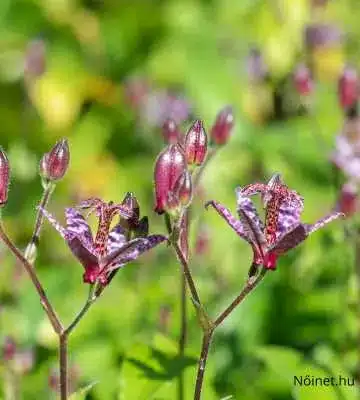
(183, 334)
(206, 341)
(54, 320)
(357, 274)
(187, 274)
(48, 190)
(63, 366)
(249, 286)
(90, 300)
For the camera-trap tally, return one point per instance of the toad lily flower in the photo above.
(282, 229)
(112, 248)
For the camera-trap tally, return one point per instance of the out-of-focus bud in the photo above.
(348, 87)
(54, 164)
(348, 200)
(24, 361)
(257, 69)
(183, 189)
(220, 131)
(34, 60)
(169, 165)
(302, 80)
(170, 132)
(195, 144)
(142, 229)
(9, 348)
(4, 178)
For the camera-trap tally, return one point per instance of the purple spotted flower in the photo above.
(282, 229)
(111, 248)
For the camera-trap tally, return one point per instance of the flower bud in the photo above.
(54, 164)
(195, 144)
(169, 165)
(348, 87)
(348, 200)
(183, 189)
(9, 348)
(4, 177)
(220, 132)
(302, 80)
(170, 132)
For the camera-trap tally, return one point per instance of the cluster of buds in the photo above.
(54, 164)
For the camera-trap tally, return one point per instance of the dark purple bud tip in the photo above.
(169, 165)
(170, 132)
(302, 80)
(348, 87)
(54, 164)
(4, 178)
(183, 189)
(195, 144)
(221, 130)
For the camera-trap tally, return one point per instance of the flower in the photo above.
(282, 229)
(112, 248)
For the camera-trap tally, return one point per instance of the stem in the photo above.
(63, 340)
(63, 366)
(249, 286)
(206, 341)
(183, 334)
(187, 275)
(53, 318)
(48, 190)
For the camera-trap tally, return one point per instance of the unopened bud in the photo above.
(54, 164)
(169, 165)
(31, 252)
(348, 200)
(302, 80)
(348, 87)
(183, 189)
(4, 178)
(220, 132)
(9, 348)
(195, 144)
(170, 132)
(35, 60)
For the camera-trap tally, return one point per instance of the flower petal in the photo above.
(310, 228)
(289, 240)
(229, 218)
(86, 258)
(252, 189)
(77, 225)
(116, 239)
(130, 251)
(288, 217)
(253, 226)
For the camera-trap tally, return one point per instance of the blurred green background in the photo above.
(105, 74)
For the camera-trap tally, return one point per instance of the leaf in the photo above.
(81, 393)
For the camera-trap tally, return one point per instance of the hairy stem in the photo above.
(34, 241)
(63, 366)
(53, 318)
(208, 334)
(183, 334)
(206, 341)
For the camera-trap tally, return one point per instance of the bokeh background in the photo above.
(106, 74)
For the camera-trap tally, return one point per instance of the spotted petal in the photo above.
(288, 217)
(290, 239)
(77, 226)
(310, 228)
(225, 213)
(131, 251)
(116, 239)
(253, 226)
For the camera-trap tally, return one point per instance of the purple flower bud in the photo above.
(169, 165)
(54, 164)
(4, 177)
(303, 80)
(348, 87)
(183, 189)
(170, 132)
(348, 200)
(220, 131)
(195, 144)
(9, 348)
(35, 61)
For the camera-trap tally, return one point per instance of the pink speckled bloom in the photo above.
(282, 229)
(112, 248)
